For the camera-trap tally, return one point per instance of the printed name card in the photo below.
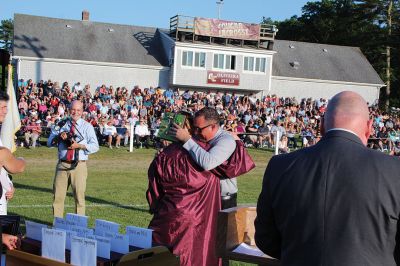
(103, 246)
(81, 220)
(139, 237)
(34, 230)
(53, 244)
(69, 235)
(82, 231)
(119, 242)
(61, 223)
(105, 226)
(83, 251)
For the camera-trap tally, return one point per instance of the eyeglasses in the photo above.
(196, 129)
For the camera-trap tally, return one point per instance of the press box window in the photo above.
(222, 61)
(200, 59)
(187, 58)
(254, 64)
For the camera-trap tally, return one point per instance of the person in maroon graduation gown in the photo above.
(185, 200)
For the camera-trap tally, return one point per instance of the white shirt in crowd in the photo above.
(109, 130)
(133, 120)
(142, 130)
(135, 111)
(77, 87)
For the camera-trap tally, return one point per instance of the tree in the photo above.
(372, 25)
(290, 29)
(6, 34)
(385, 14)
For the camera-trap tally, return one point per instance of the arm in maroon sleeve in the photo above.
(238, 164)
(153, 193)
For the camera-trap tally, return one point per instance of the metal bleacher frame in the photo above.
(182, 28)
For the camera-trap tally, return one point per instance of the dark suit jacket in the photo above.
(335, 203)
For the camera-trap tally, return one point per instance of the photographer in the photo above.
(76, 140)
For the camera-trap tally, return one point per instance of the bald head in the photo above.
(76, 103)
(76, 110)
(348, 110)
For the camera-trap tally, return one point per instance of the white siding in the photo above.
(286, 87)
(197, 77)
(94, 74)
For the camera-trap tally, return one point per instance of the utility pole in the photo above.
(388, 54)
(219, 6)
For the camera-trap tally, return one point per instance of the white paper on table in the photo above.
(139, 237)
(99, 233)
(53, 244)
(103, 246)
(62, 223)
(34, 230)
(243, 248)
(119, 242)
(69, 234)
(81, 220)
(83, 251)
(105, 226)
(81, 231)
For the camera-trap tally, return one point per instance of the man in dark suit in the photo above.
(335, 203)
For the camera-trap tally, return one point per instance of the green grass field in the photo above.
(116, 185)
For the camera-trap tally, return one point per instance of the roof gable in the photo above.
(322, 61)
(85, 40)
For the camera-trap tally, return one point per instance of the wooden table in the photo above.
(35, 247)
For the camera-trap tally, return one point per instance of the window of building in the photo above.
(199, 59)
(254, 64)
(224, 61)
(187, 58)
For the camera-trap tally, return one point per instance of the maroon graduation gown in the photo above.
(185, 200)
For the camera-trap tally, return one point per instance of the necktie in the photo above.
(70, 153)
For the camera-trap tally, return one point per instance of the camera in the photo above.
(69, 140)
(70, 136)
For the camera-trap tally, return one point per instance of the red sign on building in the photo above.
(226, 29)
(223, 78)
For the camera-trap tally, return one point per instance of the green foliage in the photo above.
(352, 23)
(6, 34)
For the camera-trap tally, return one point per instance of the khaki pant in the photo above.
(62, 179)
(33, 136)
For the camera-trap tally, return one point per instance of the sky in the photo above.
(155, 13)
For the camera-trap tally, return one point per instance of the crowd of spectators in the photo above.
(257, 121)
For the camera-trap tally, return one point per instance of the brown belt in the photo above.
(70, 162)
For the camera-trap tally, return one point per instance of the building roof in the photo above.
(44, 37)
(322, 61)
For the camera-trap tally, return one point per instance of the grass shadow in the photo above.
(88, 198)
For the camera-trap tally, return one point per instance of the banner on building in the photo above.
(226, 29)
(223, 78)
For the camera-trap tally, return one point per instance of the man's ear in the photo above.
(368, 129)
(322, 126)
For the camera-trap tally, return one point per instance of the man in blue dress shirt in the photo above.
(76, 140)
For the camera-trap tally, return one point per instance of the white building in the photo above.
(120, 55)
